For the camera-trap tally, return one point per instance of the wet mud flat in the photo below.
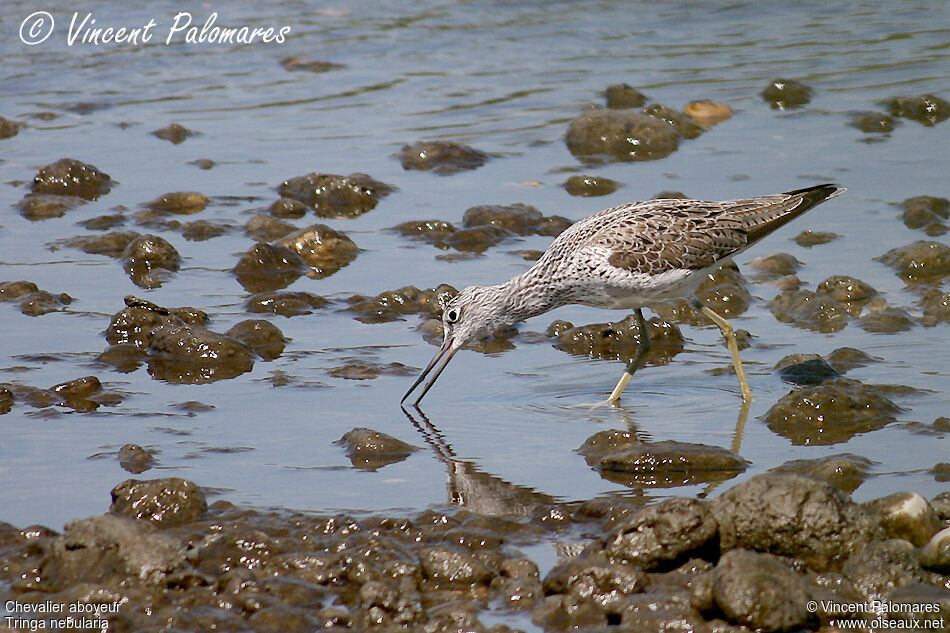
(781, 551)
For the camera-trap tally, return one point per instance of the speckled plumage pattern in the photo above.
(631, 256)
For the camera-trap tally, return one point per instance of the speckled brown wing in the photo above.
(689, 235)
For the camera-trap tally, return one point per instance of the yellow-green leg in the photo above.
(643, 346)
(727, 333)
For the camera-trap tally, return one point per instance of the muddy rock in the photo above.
(844, 359)
(321, 248)
(103, 222)
(590, 186)
(584, 590)
(928, 213)
(268, 267)
(623, 459)
(150, 260)
(43, 206)
(792, 515)
(31, 300)
(926, 109)
(873, 122)
(845, 471)
(776, 265)
(441, 157)
(286, 304)
(707, 113)
(8, 128)
(623, 96)
(684, 125)
(786, 94)
(136, 459)
(78, 387)
(663, 535)
(935, 554)
(760, 591)
(619, 340)
(921, 261)
(111, 244)
(829, 413)
(135, 323)
(174, 133)
(264, 227)
(888, 320)
(371, 450)
(70, 177)
(907, 600)
(881, 566)
(6, 400)
(196, 345)
(108, 549)
(905, 515)
(810, 238)
(432, 231)
(161, 502)
(621, 135)
(179, 202)
(805, 369)
(358, 370)
(287, 208)
(263, 337)
(517, 218)
(334, 196)
(810, 310)
(852, 292)
(201, 230)
(936, 307)
(294, 63)
(391, 305)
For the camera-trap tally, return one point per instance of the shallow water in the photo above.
(506, 80)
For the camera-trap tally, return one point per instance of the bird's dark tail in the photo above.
(771, 212)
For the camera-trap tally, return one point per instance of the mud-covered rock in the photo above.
(905, 515)
(43, 206)
(810, 310)
(111, 244)
(810, 238)
(935, 554)
(850, 291)
(268, 267)
(622, 135)
(786, 94)
(286, 304)
(887, 320)
(432, 231)
(623, 96)
(685, 126)
(590, 186)
(162, 502)
(294, 63)
(179, 202)
(873, 122)
(446, 566)
(31, 300)
(335, 196)
(776, 265)
(883, 565)
(663, 535)
(621, 458)
(391, 305)
(936, 307)
(619, 340)
(441, 157)
(188, 344)
(70, 177)
(926, 109)
(174, 133)
(149, 260)
(829, 413)
(8, 128)
(136, 459)
(263, 337)
(707, 113)
(921, 261)
(322, 249)
(792, 515)
(805, 369)
(108, 549)
(518, 218)
(760, 591)
(264, 227)
(287, 208)
(371, 450)
(928, 213)
(134, 324)
(844, 359)
(845, 471)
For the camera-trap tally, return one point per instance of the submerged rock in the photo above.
(521, 219)
(805, 369)
(70, 177)
(619, 340)
(590, 186)
(441, 157)
(321, 248)
(829, 413)
(927, 213)
(371, 450)
(31, 300)
(685, 126)
(921, 261)
(179, 202)
(873, 122)
(136, 459)
(926, 109)
(174, 133)
(284, 303)
(810, 310)
(845, 471)
(623, 96)
(622, 135)
(268, 267)
(150, 260)
(810, 238)
(334, 196)
(936, 307)
(43, 206)
(786, 94)
(8, 128)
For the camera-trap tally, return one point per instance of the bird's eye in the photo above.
(451, 315)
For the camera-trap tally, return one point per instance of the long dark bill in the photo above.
(438, 363)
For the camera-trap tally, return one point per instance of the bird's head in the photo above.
(473, 314)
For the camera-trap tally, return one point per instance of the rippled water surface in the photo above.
(507, 80)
